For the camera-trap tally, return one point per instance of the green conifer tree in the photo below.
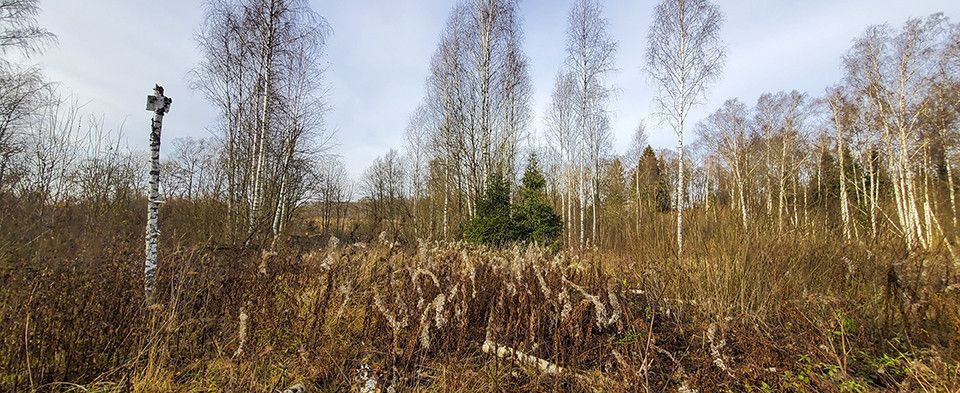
(533, 215)
(492, 223)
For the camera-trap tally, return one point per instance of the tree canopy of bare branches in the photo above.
(262, 68)
(684, 55)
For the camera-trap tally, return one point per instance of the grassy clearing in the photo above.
(743, 311)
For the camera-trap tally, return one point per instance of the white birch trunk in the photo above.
(874, 189)
(446, 200)
(706, 188)
(680, 190)
(637, 194)
(738, 178)
(262, 129)
(279, 212)
(583, 196)
(782, 197)
(570, 227)
(595, 202)
(844, 208)
(159, 106)
(953, 198)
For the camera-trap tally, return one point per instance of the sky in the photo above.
(111, 52)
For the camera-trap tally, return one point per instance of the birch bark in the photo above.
(159, 104)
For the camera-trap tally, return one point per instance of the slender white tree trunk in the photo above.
(738, 178)
(706, 188)
(911, 199)
(159, 105)
(570, 227)
(583, 196)
(595, 202)
(769, 186)
(782, 197)
(796, 204)
(953, 198)
(446, 200)
(874, 189)
(680, 187)
(279, 212)
(844, 207)
(637, 194)
(927, 208)
(485, 17)
(681, 120)
(263, 127)
(563, 203)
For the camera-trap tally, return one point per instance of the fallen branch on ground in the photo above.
(505, 352)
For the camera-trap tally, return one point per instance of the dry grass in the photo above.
(743, 311)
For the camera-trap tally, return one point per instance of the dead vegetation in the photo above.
(762, 313)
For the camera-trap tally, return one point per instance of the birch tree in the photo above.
(590, 59)
(478, 97)
(563, 136)
(893, 69)
(333, 194)
(416, 138)
(841, 112)
(685, 54)
(261, 67)
(638, 142)
(725, 132)
(385, 192)
(53, 150)
(949, 98)
(224, 77)
(794, 110)
(23, 92)
(768, 119)
(19, 31)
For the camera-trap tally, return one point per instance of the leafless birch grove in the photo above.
(262, 69)
(475, 115)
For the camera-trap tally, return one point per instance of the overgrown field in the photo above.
(740, 312)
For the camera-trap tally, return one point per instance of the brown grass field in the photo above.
(740, 312)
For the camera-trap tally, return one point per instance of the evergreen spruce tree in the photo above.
(530, 220)
(535, 219)
(492, 223)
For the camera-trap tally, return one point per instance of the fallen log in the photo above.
(505, 352)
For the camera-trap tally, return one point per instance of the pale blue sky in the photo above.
(111, 52)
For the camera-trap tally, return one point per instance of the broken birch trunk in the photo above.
(505, 352)
(159, 105)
